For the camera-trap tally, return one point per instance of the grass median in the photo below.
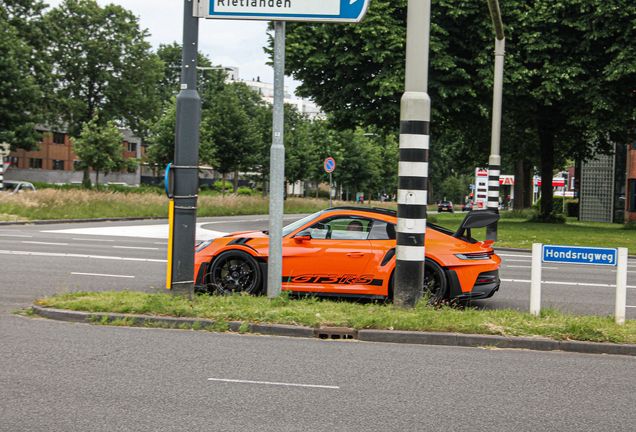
(316, 313)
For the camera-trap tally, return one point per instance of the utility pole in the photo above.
(415, 115)
(186, 164)
(277, 169)
(494, 162)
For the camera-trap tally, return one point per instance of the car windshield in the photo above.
(295, 225)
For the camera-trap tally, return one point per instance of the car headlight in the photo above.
(203, 245)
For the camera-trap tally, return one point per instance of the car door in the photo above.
(382, 261)
(333, 260)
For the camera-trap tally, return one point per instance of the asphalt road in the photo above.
(65, 377)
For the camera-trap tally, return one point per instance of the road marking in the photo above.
(47, 243)
(9, 252)
(98, 274)
(272, 383)
(94, 240)
(567, 283)
(15, 235)
(543, 267)
(509, 260)
(511, 255)
(135, 247)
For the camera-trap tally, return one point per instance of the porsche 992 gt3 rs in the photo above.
(350, 251)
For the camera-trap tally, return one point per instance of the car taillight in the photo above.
(486, 278)
(475, 255)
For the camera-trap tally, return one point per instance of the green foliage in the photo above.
(551, 218)
(245, 191)
(630, 226)
(101, 61)
(99, 148)
(20, 95)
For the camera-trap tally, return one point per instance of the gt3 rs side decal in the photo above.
(333, 279)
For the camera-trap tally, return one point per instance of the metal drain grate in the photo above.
(336, 333)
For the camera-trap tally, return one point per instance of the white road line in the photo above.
(543, 267)
(272, 383)
(98, 274)
(15, 235)
(511, 255)
(94, 240)
(161, 243)
(525, 261)
(47, 243)
(135, 247)
(567, 283)
(9, 252)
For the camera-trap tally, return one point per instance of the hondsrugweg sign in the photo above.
(579, 255)
(283, 10)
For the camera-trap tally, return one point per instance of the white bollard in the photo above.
(621, 286)
(535, 280)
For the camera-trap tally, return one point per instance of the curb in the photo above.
(385, 336)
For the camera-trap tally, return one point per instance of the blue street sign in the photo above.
(283, 10)
(579, 255)
(472, 187)
(330, 165)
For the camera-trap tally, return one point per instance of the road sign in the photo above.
(283, 10)
(330, 165)
(579, 255)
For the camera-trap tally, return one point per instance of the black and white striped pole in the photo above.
(494, 162)
(415, 114)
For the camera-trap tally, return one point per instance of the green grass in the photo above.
(315, 313)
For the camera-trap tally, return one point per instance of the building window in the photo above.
(12, 160)
(35, 163)
(58, 138)
(58, 165)
(132, 147)
(632, 196)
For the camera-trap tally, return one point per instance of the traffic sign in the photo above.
(330, 165)
(579, 255)
(283, 10)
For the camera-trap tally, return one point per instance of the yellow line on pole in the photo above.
(170, 229)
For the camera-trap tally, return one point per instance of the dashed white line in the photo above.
(135, 247)
(543, 267)
(272, 383)
(15, 235)
(45, 243)
(99, 274)
(9, 252)
(94, 240)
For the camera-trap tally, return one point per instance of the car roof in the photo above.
(382, 211)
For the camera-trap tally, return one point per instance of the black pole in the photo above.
(186, 161)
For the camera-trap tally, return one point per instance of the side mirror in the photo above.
(303, 236)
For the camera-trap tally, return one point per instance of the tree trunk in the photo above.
(528, 185)
(97, 180)
(264, 179)
(236, 179)
(222, 184)
(519, 194)
(546, 148)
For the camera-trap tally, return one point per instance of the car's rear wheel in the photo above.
(234, 272)
(435, 283)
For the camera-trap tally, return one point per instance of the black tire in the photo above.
(234, 272)
(435, 283)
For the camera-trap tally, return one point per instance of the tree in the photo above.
(100, 147)
(569, 78)
(101, 61)
(21, 97)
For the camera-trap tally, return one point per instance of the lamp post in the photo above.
(494, 162)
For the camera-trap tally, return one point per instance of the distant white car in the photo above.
(13, 186)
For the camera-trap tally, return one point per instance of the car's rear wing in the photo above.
(476, 219)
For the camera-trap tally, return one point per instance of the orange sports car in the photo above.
(350, 252)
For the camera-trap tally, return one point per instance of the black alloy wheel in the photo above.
(234, 272)
(435, 283)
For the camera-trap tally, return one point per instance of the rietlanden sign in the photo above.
(283, 10)
(579, 255)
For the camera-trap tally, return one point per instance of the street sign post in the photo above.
(283, 10)
(615, 257)
(330, 165)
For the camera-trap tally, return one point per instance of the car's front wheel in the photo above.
(234, 272)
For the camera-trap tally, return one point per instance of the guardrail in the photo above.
(614, 257)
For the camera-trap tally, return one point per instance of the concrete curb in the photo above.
(386, 336)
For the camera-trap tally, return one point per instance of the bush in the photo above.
(204, 187)
(244, 191)
(525, 214)
(554, 217)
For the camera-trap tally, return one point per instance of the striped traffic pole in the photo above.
(415, 114)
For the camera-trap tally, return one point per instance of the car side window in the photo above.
(382, 231)
(342, 228)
